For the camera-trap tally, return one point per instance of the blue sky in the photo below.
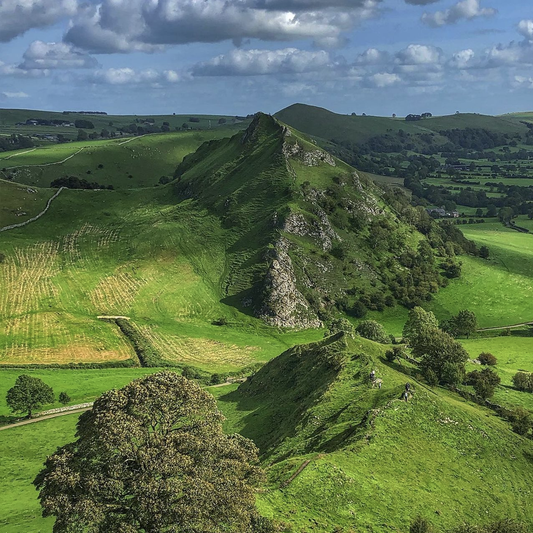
(241, 56)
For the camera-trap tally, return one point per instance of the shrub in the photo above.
(420, 525)
(217, 379)
(372, 330)
(431, 377)
(222, 321)
(64, 398)
(523, 381)
(521, 421)
(397, 352)
(486, 358)
(189, 373)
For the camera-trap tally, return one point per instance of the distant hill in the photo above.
(325, 124)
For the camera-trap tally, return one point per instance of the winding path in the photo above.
(75, 410)
(37, 217)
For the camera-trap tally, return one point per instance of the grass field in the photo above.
(123, 163)
(499, 290)
(20, 203)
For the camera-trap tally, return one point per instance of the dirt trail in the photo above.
(512, 326)
(47, 417)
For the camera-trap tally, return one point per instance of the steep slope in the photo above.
(307, 235)
(372, 461)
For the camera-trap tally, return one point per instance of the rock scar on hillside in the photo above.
(284, 305)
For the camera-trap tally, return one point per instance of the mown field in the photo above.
(123, 163)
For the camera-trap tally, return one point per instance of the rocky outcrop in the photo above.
(320, 230)
(308, 158)
(283, 304)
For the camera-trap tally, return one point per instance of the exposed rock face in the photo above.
(310, 159)
(284, 305)
(322, 232)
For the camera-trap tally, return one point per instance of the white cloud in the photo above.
(372, 56)
(419, 54)
(525, 28)
(258, 62)
(463, 59)
(129, 25)
(464, 10)
(384, 79)
(129, 76)
(19, 16)
(40, 55)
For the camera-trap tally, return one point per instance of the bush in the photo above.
(397, 352)
(217, 379)
(523, 381)
(372, 330)
(189, 373)
(521, 421)
(64, 398)
(420, 525)
(431, 377)
(486, 358)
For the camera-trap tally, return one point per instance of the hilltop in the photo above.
(374, 462)
(358, 129)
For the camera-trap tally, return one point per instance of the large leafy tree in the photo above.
(418, 323)
(28, 394)
(152, 457)
(443, 358)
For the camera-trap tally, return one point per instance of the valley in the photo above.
(239, 266)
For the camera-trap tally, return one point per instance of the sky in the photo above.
(237, 57)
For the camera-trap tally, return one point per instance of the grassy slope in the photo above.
(19, 203)
(125, 163)
(9, 117)
(381, 461)
(498, 290)
(327, 125)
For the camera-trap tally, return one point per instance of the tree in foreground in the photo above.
(374, 331)
(484, 382)
(152, 457)
(29, 394)
(418, 322)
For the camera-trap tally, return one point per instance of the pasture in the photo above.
(20, 203)
(123, 163)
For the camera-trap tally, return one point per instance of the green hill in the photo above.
(375, 462)
(123, 163)
(262, 225)
(330, 126)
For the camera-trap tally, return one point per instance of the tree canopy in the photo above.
(152, 457)
(418, 322)
(28, 394)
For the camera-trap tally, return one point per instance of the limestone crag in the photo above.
(309, 159)
(320, 230)
(283, 304)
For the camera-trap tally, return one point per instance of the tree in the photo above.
(442, 356)
(152, 457)
(486, 358)
(484, 252)
(417, 323)
(484, 382)
(465, 322)
(28, 394)
(82, 135)
(521, 420)
(372, 330)
(64, 398)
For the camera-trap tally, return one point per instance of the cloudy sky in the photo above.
(241, 56)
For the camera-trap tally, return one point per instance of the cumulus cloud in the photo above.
(464, 10)
(258, 62)
(18, 16)
(419, 54)
(40, 55)
(372, 56)
(525, 28)
(463, 59)
(384, 79)
(129, 76)
(128, 25)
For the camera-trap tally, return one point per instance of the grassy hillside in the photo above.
(113, 123)
(20, 203)
(324, 124)
(376, 461)
(123, 163)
